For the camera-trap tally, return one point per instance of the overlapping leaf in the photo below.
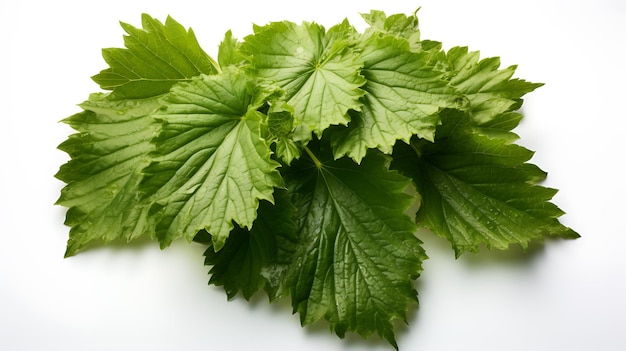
(404, 96)
(182, 147)
(477, 189)
(259, 257)
(156, 57)
(399, 25)
(357, 254)
(318, 70)
(490, 90)
(210, 166)
(402, 27)
(102, 177)
(280, 127)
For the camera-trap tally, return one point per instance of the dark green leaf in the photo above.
(257, 258)
(357, 254)
(477, 189)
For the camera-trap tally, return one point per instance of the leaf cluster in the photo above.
(297, 155)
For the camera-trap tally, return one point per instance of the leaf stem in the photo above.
(416, 148)
(317, 162)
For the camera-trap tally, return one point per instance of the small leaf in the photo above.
(402, 27)
(399, 25)
(229, 53)
(280, 126)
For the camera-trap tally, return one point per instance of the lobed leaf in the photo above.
(156, 57)
(490, 90)
(210, 165)
(185, 147)
(405, 28)
(318, 70)
(280, 122)
(404, 96)
(478, 189)
(399, 25)
(107, 156)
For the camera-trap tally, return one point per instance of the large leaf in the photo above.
(404, 96)
(478, 189)
(317, 69)
(211, 166)
(107, 156)
(357, 253)
(156, 57)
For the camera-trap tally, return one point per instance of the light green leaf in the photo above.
(477, 189)
(107, 156)
(399, 25)
(402, 27)
(156, 57)
(404, 96)
(228, 53)
(490, 90)
(211, 166)
(357, 254)
(280, 127)
(318, 70)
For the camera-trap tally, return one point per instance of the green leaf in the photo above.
(490, 90)
(229, 53)
(280, 126)
(402, 27)
(404, 96)
(107, 156)
(257, 258)
(477, 189)
(399, 25)
(357, 254)
(211, 166)
(501, 126)
(156, 57)
(184, 147)
(318, 70)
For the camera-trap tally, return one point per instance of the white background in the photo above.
(564, 295)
